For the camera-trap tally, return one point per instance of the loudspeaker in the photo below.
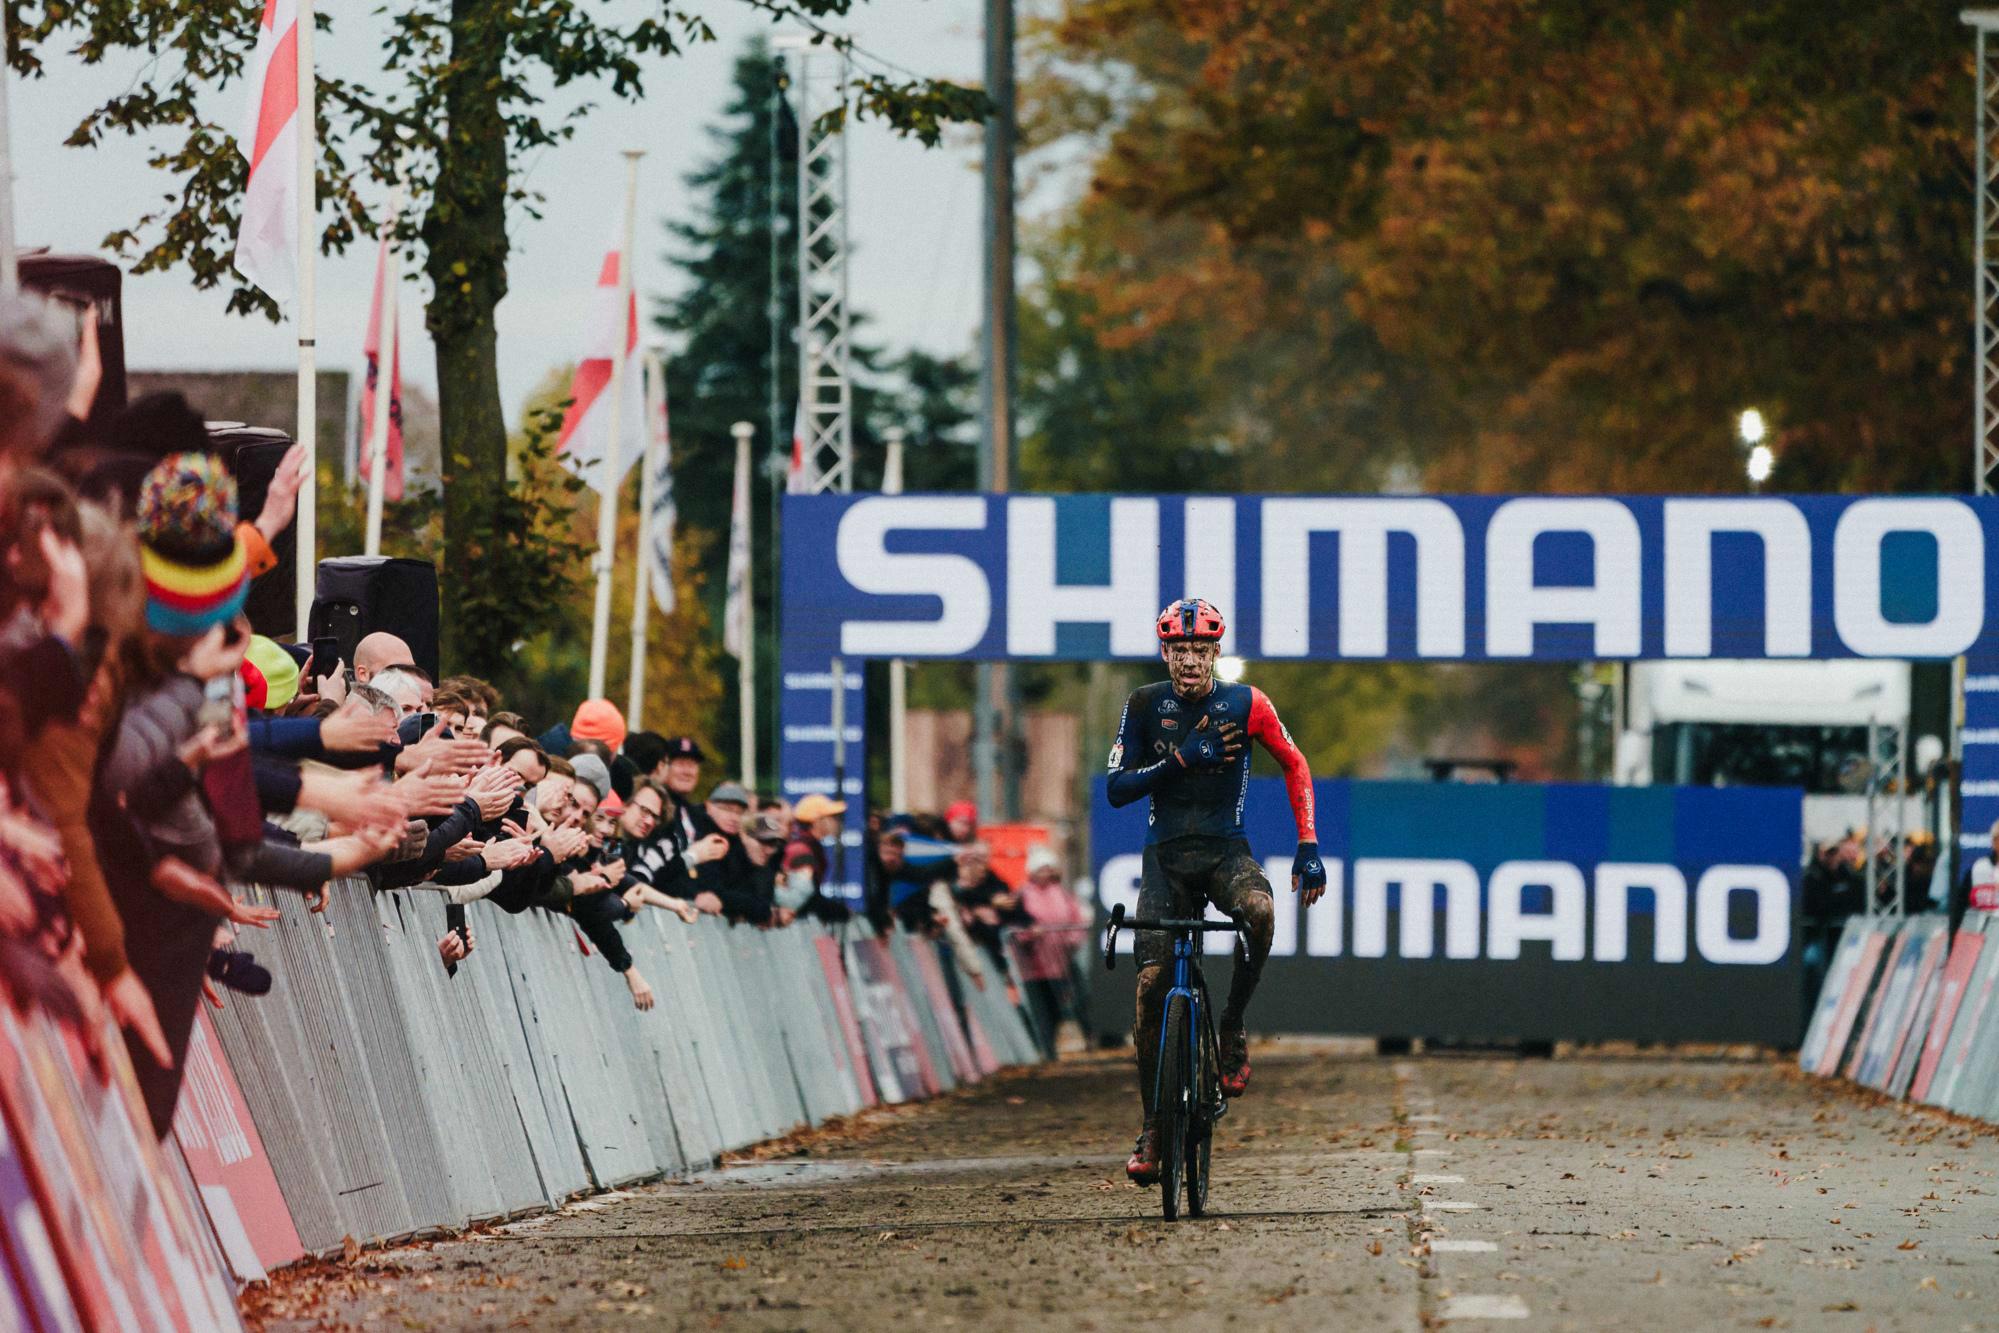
(360, 594)
(92, 285)
(253, 454)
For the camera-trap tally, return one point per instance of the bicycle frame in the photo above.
(1188, 981)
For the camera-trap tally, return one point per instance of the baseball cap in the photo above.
(730, 793)
(591, 769)
(686, 747)
(811, 809)
(764, 827)
(1042, 857)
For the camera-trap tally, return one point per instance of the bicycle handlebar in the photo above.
(1236, 925)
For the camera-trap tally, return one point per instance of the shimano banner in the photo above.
(1540, 912)
(1458, 578)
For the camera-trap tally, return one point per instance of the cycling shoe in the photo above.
(1143, 1165)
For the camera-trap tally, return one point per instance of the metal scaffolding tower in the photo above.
(826, 386)
(1985, 302)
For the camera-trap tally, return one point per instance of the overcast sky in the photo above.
(914, 222)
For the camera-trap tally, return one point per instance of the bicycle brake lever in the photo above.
(1110, 938)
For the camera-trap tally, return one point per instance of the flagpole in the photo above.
(386, 357)
(898, 669)
(746, 661)
(306, 525)
(10, 276)
(607, 481)
(655, 406)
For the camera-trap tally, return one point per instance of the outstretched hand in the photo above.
(1308, 873)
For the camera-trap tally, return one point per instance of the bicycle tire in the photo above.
(1200, 1118)
(1175, 1099)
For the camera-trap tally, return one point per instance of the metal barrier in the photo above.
(394, 1099)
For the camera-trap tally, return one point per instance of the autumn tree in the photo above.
(463, 97)
(1563, 243)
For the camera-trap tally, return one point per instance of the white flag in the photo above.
(586, 427)
(660, 523)
(736, 609)
(267, 235)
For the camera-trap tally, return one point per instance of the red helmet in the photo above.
(1191, 618)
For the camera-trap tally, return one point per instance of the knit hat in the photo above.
(194, 563)
(598, 720)
(279, 668)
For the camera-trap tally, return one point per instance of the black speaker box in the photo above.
(360, 594)
(253, 454)
(94, 285)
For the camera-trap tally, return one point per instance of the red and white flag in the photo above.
(267, 236)
(371, 352)
(586, 427)
(795, 482)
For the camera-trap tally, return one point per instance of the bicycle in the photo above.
(1189, 1096)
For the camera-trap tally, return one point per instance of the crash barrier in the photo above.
(99, 1228)
(1907, 1009)
(395, 1099)
(1045, 965)
(371, 1097)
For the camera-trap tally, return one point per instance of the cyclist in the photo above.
(1184, 742)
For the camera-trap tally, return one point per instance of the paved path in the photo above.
(1351, 1192)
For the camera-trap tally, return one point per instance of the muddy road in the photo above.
(1350, 1192)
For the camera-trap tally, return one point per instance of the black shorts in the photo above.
(1182, 876)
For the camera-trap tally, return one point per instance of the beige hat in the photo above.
(1042, 857)
(811, 809)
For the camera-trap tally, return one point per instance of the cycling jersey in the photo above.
(1189, 802)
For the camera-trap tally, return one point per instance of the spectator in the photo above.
(1978, 887)
(919, 895)
(815, 822)
(685, 839)
(961, 818)
(598, 720)
(727, 884)
(1046, 955)
(985, 902)
(376, 653)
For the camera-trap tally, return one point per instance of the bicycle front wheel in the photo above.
(1176, 1098)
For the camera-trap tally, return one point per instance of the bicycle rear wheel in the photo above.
(1175, 1103)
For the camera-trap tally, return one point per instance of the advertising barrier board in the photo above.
(1551, 911)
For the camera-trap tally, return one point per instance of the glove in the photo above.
(1210, 748)
(1308, 872)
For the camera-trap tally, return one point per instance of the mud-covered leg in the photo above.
(1151, 1011)
(1248, 892)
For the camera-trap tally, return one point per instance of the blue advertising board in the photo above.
(1515, 911)
(1444, 578)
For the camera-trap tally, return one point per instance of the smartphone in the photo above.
(424, 723)
(325, 656)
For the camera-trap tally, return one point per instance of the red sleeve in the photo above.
(1270, 733)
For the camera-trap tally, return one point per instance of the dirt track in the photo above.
(1350, 1192)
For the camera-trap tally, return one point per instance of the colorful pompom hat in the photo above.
(196, 569)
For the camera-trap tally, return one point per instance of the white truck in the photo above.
(1768, 723)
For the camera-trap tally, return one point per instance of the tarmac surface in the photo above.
(1351, 1192)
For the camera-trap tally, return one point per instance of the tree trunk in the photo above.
(465, 234)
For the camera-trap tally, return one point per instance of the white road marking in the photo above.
(1484, 1307)
(1428, 1152)
(1441, 1246)
(1450, 1206)
(1437, 1180)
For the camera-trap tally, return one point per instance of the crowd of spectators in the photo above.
(155, 752)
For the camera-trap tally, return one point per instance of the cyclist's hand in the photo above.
(1308, 873)
(1210, 747)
